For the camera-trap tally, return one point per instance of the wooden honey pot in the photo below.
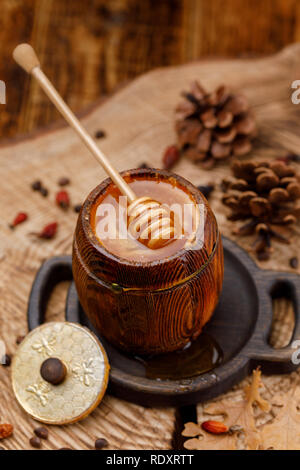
(151, 294)
(147, 301)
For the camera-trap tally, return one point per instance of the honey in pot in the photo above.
(109, 222)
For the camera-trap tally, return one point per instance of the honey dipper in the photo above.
(147, 217)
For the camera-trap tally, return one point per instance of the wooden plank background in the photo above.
(138, 121)
(90, 47)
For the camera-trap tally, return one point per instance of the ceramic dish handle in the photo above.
(285, 359)
(51, 273)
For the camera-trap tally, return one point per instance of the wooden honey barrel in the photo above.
(148, 307)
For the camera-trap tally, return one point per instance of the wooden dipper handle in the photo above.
(26, 57)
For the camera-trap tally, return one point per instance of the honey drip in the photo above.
(200, 356)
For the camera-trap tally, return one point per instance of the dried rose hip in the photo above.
(170, 157)
(19, 219)
(63, 199)
(48, 232)
(6, 430)
(290, 157)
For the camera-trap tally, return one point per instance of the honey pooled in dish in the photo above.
(109, 219)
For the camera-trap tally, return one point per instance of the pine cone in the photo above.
(266, 196)
(213, 126)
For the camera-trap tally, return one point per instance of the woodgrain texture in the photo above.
(157, 308)
(91, 47)
(139, 124)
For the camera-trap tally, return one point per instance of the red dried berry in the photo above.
(63, 199)
(170, 157)
(48, 231)
(19, 219)
(6, 430)
(290, 157)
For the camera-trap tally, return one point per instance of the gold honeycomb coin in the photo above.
(82, 386)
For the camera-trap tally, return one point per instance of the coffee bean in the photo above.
(77, 208)
(44, 192)
(41, 432)
(294, 262)
(6, 360)
(64, 181)
(36, 185)
(100, 134)
(263, 255)
(35, 442)
(19, 339)
(100, 443)
(143, 166)
(206, 190)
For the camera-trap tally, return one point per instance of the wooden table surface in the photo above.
(90, 47)
(138, 121)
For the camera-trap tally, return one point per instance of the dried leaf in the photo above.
(238, 413)
(191, 430)
(283, 433)
(252, 392)
(235, 413)
(193, 444)
(219, 442)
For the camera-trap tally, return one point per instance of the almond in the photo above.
(6, 430)
(214, 427)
